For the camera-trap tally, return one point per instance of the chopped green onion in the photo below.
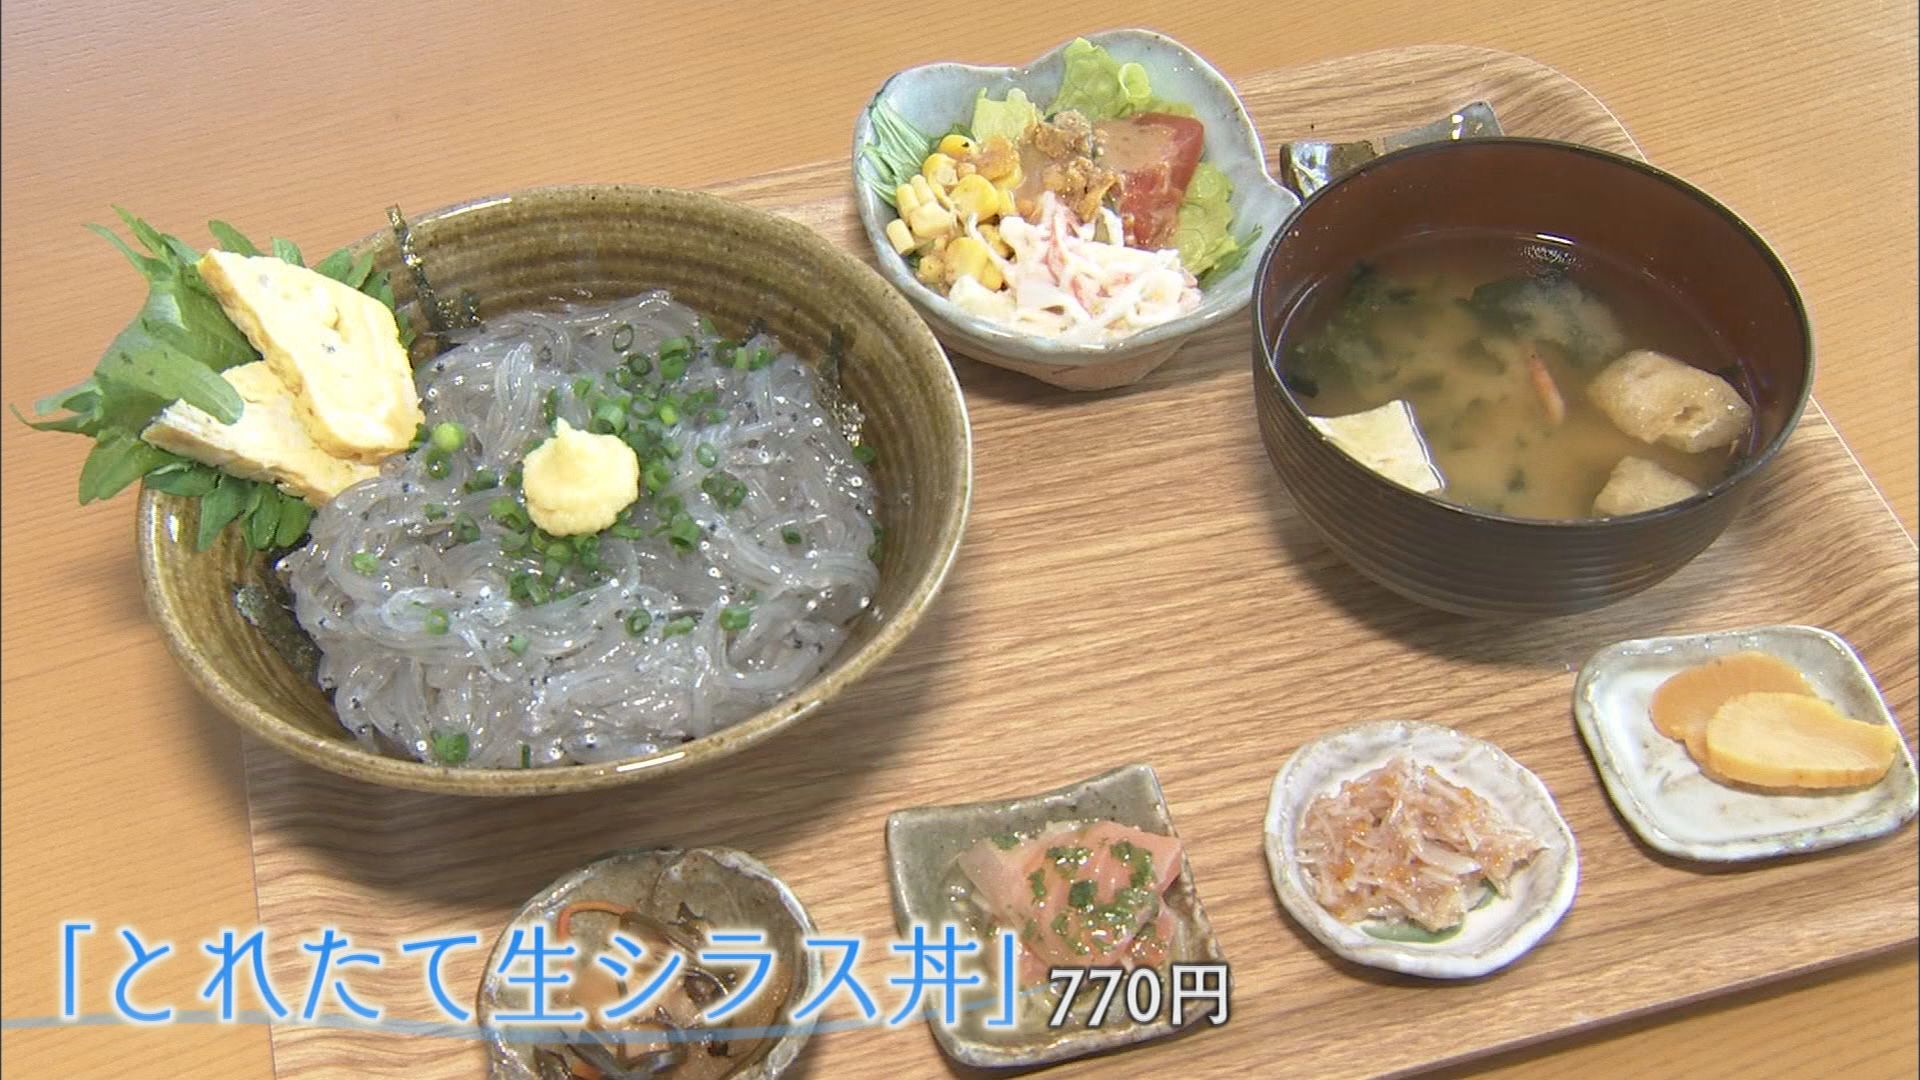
(637, 623)
(435, 511)
(640, 364)
(517, 645)
(537, 591)
(667, 413)
(790, 535)
(437, 621)
(681, 625)
(550, 410)
(735, 617)
(437, 465)
(683, 532)
(451, 749)
(626, 532)
(582, 386)
(608, 419)
(526, 756)
(676, 346)
(865, 453)
(622, 337)
(624, 378)
(448, 436)
(587, 550)
(560, 550)
(365, 562)
(725, 489)
(762, 357)
(464, 529)
(706, 456)
(659, 475)
(714, 416)
(514, 542)
(514, 477)
(482, 479)
(504, 509)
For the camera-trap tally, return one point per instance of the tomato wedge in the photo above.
(1155, 155)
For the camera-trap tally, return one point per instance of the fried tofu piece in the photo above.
(336, 349)
(1638, 485)
(268, 442)
(1657, 399)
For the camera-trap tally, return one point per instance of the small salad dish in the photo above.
(1089, 876)
(1685, 732)
(1496, 863)
(1075, 219)
(667, 902)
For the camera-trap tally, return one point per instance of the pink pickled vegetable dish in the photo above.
(1077, 896)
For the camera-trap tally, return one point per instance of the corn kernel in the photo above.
(938, 168)
(990, 277)
(991, 234)
(976, 197)
(932, 270)
(966, 255)
(900, 236)
(956, 146)
(1006, 207)
(924, 194)
(905, 199)
(928, 221)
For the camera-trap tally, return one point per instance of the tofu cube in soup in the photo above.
(1637, 485)
(1657, 399)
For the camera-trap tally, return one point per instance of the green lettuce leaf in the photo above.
(1008, 119)
(1099, 87)
(1208, 248)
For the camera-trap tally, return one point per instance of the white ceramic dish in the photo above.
(933, 97)
(1494, 935)
(1677, 809)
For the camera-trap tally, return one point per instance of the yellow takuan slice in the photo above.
(1777, 740)
(1689, 698)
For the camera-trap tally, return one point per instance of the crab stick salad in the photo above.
(1087, 221)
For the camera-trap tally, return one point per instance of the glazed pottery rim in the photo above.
(1215, 306)
(347, 757)
(1752, 464)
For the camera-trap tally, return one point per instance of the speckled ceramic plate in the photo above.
(1677, 809)
(934, 97)
(922, 845)
(1495, 934)
(722, 888)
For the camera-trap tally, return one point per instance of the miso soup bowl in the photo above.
(1490, 565)
(542, 248)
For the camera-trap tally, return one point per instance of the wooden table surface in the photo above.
(123, 797)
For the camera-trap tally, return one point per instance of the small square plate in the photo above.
(1675, 807)
(922, 844)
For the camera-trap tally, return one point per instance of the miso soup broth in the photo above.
(1454, 322)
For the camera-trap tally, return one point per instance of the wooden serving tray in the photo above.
(1135, 586)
